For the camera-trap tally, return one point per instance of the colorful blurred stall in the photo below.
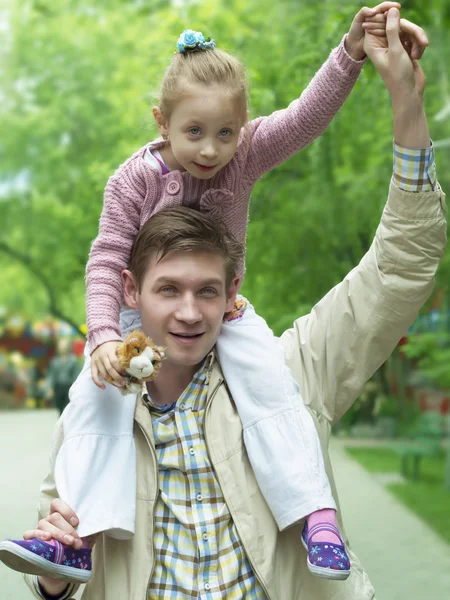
(26, 348)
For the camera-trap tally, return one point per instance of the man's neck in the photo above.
(171, 382)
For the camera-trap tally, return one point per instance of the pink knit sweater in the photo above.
(136, 190)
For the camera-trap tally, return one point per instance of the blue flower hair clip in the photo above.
(191, 41)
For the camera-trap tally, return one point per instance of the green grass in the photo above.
(427, 497)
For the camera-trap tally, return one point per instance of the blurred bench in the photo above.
(426, 440)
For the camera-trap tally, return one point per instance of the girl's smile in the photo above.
(204, 167)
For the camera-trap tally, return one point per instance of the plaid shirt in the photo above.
(414, 169)
(198, 553)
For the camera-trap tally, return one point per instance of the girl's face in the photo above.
(203, 131)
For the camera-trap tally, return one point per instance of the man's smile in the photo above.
(185, 338)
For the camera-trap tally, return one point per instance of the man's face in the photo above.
(182, 302)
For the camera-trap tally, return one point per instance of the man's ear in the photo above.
(232, 291)
(130, 291)
(161, 122)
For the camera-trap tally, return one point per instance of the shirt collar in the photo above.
(203, 372)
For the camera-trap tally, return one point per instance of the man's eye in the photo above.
(209, 292)
(194, 130)
(167, 289)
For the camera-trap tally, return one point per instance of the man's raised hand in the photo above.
(400, 72)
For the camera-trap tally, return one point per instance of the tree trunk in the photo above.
(53, 309)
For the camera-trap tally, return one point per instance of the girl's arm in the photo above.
(110, 253)
(272, 140)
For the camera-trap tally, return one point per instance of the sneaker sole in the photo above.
(324, 572)
(22, 560)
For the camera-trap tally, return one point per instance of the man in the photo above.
(62, 372)
(202, 526)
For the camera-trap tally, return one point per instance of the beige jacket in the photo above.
(332, 352)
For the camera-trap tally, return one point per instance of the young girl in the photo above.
(209, 157)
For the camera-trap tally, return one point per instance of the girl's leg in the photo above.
(281, 440)
(95, 473)
(95, 469)
(279, 433)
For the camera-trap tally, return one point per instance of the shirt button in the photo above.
(173, 187)
(191, 451)
(199, 497)
(205, 536)
(207, 587)
(182, 406)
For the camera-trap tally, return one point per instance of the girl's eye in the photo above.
(194, 130)
(225, 132)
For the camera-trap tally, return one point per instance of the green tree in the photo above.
(78, 80)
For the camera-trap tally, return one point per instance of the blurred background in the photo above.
(77, 83)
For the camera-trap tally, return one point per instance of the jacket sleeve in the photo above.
(109, 255)
(352, 331)
(48, 493)
(272, 140)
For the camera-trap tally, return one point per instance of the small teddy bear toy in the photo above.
(141, 360)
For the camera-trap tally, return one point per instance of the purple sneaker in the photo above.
(41, 558)
(324, 559)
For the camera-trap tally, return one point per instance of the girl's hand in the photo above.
(105, 365)
(354, 44)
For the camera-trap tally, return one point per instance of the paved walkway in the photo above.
(24, 448)
(399, 569)
(405, 559)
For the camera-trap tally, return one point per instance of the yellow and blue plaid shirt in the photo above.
(197, 547)
(414, 169)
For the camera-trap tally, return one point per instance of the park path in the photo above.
(404, 558)
(25, 438)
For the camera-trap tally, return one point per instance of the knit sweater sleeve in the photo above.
(273, 139)
(109, 255)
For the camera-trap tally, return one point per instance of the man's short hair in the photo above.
(186, 230)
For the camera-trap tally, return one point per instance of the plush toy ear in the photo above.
(160, 352)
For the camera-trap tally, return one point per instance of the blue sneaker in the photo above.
(54, 559)
(326, 560)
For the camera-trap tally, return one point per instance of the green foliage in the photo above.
(388, 406)
(78, 80)
(432, 353)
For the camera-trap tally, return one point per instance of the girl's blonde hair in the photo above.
(211, 66)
